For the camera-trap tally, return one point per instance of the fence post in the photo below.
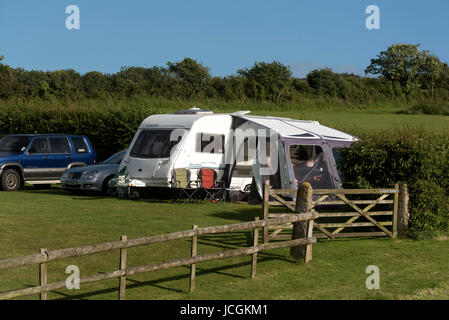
(300, 229)
(122, 279)
(254, 258)
(43, 275)
(266, 206)
(395, 211)
(308, 256)
(194, 253)
(403, 213)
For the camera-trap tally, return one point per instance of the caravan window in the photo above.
(336, 152)
(309, 164)
(153, 144)
(210, 143)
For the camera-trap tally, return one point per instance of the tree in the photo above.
(270, 81)
(432, 69)
(403, 63)
(324, 81)
(193, 75)
(95, 84)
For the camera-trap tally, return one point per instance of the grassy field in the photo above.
(32, 219)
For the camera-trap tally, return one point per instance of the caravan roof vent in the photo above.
(194, 111)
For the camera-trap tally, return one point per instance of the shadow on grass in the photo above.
(262, 257)
(240, 214)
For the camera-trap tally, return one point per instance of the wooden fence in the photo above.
(330, 223)
(45, 256)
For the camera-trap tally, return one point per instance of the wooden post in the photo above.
(254, 258)
(395, 211)
(403, 213)
(43, 275)
(300, 229)
(308, 256)
(122, 279)
(194, 253)
(266, 205)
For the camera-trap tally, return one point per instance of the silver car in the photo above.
(94, 177)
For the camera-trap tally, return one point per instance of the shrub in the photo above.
(413, 155)
(109, 129)
(435, 107)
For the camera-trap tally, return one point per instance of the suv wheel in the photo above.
(11, 180)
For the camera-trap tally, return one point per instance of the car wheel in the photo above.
(41, 186)
(107, 190)
(11, 180)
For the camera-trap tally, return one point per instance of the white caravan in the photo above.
(190, 139)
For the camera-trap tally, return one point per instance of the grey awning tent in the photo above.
(302, 151)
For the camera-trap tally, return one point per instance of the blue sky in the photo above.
(223, 35)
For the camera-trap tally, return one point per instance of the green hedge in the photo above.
(109, 129)
(413, 155)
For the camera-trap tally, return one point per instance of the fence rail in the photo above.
(44, 256)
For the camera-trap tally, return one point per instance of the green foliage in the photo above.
(416, 156)
(262, 82)
(325, 82)
(426, 106)
(268, 81)
(109, 129)
(192, 75)
(405, 64)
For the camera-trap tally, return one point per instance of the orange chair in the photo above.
(213, 189)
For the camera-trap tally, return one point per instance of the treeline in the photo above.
(404, 72)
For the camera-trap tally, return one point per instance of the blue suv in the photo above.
(41, 159)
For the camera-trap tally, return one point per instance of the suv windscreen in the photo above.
(14, 143)
(153, 144)
(115, 159)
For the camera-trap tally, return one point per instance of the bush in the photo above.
(109, 129)
(435, 107)
(413, 155)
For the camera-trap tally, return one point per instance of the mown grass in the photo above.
(32, 219)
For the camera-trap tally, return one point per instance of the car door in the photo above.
(36, 165)
(59, 156)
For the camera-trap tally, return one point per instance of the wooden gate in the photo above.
(342, 212)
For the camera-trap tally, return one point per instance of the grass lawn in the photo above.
(32, 219)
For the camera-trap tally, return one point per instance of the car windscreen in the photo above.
(153, 144)
(115, 158)
(14, 143)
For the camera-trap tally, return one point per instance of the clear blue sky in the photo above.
(223, 35)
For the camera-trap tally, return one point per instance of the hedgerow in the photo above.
(415, 156)
(109, 129)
